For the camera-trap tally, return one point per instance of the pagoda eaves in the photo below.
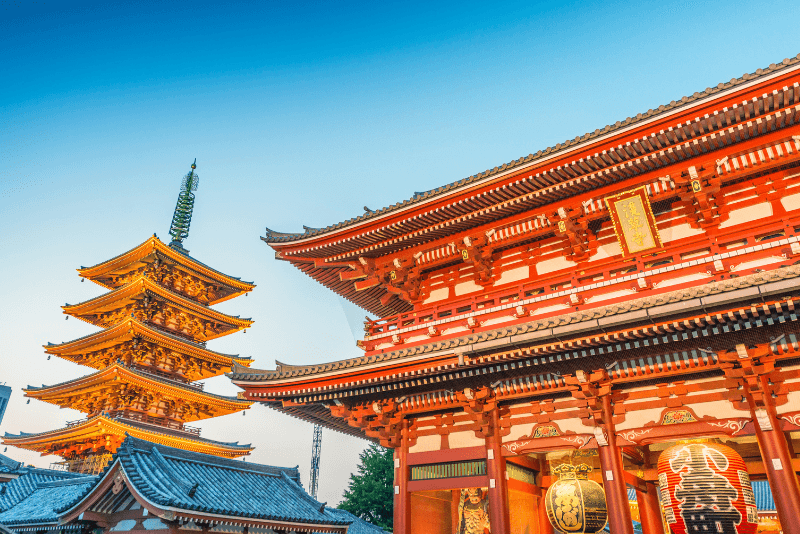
(140, 344)
(118, 388)
(106, 433)
(145, 299)
(122, 269)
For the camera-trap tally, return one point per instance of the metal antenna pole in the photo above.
(315, 452)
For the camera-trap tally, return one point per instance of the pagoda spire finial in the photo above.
(182, 218)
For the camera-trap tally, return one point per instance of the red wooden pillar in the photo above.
(456, 502)
(545, 527)
(402, 499)
(498, 485)
(780, 472)
(650, 510)
(619, 511)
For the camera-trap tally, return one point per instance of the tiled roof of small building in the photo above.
(8, 465)
(358, 525)
(570, 144)
(165, 476)
(30, 478)
(47, 500)
(179, 481)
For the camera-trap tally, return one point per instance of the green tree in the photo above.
(369, 494)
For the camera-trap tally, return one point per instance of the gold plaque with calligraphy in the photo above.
(633, 221)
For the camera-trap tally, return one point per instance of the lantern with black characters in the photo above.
(575, 504)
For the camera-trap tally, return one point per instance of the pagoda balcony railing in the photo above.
(169, 376)
(574, 287)
(179, 335)
(163, 422)
(140, 418)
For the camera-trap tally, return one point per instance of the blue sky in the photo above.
(298, 113)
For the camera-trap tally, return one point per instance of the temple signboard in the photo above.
(633, 220)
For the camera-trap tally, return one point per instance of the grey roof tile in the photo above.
(19, 489)
(47, 500)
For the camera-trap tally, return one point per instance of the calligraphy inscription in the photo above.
(634, 225)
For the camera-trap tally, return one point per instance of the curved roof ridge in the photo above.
(66, 481)
(287, 234)
(169, 472)
(9, 464)
(166, 452)
(285, 370)
(308, 498)
(280, 237)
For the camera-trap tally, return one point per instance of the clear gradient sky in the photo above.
(298, 113)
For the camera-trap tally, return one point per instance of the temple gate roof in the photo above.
(570, 145)
(518, 196)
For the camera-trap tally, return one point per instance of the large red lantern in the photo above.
(705, 489)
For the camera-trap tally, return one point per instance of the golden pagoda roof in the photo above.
(130, 329)
(122, 375)
(124, 295)
(97, 430)
(137, 256)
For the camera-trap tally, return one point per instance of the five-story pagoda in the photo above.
(156, 320)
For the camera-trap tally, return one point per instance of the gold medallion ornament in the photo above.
(634, 222)
(575, 504)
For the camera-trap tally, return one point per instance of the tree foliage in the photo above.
(369, 494)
